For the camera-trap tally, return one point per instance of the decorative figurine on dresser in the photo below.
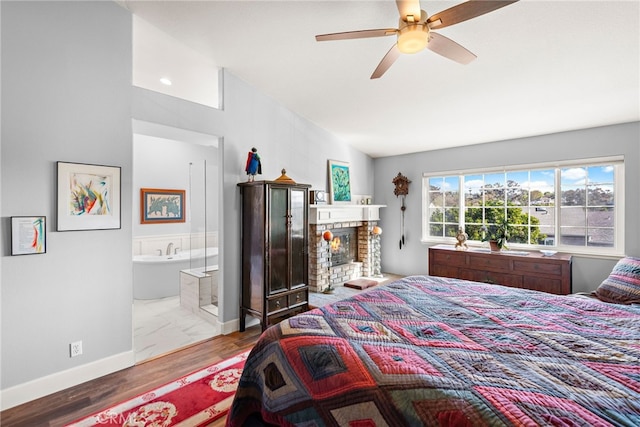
(461, 240)
(253, 166)
(275, 256)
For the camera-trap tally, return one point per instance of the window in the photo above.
(586, 217)
(163, 64)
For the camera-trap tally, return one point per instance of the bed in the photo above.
(435, 351)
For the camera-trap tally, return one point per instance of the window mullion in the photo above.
(558, 202)
(461, 202)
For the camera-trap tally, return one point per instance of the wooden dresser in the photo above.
(550, 274)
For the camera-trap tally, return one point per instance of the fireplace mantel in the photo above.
(330, 214)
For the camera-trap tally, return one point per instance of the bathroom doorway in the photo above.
(175, 247)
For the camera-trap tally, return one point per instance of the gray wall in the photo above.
(621, 139)
(66, 96)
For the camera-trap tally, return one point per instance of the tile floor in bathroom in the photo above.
(161, 326)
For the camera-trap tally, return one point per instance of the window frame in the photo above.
(618, 190)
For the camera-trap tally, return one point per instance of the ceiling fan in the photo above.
(415, 31)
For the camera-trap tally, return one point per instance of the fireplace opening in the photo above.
(343, 246)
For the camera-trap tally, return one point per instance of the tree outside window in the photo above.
(526, 199)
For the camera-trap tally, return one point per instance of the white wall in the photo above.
(588, 273)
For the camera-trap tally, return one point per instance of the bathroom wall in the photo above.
(178, 165)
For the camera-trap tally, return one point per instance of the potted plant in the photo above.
(496, 235)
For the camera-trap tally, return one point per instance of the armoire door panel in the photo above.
(278, 236)
(298, 238)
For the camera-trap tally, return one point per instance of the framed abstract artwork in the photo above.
(28, 235)
(161, 206)
(88, 197)
(339, 182)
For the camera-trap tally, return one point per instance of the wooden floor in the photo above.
(85, 399)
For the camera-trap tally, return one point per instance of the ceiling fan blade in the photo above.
(449, 49)
(386, 62)
(362, 34)
(465, 11)
(408, 8)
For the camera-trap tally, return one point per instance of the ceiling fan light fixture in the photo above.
(414, 31)
(413, 38)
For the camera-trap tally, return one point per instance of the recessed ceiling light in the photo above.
(165, 81)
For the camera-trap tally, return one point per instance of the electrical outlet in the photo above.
(75, 348)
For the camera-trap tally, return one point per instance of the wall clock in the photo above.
(402, 189)
(402, 185)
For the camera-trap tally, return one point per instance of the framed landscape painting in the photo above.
(88, 197)
(161, 206)
(28, 235)
(339, 182)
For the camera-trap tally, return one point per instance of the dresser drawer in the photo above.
(298, 298)
(538, 267)
(491, 261)
(552, 286)
(449, 258)
(491, 277)
(277, 304)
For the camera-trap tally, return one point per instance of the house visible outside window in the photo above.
(570, 206)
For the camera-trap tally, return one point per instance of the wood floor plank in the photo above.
(85, 399)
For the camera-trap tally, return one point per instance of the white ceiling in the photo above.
(542, 67)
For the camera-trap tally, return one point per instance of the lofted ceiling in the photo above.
(542, 67)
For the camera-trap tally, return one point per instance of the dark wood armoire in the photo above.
(275, 255)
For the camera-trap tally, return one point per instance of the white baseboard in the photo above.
(234, 325)
(31, 390)
(229, 327)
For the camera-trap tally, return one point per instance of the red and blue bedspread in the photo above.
(434, 351)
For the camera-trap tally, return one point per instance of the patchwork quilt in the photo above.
(433, 351)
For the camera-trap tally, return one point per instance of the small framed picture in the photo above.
(28, 235)
(88, 197)
(161, 206)
(339, 182)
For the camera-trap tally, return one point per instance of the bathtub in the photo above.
(158, 276)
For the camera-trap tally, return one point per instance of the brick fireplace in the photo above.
(338, 218)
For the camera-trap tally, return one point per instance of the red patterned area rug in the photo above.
(193, 400)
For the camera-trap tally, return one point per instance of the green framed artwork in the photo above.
(339, 182)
